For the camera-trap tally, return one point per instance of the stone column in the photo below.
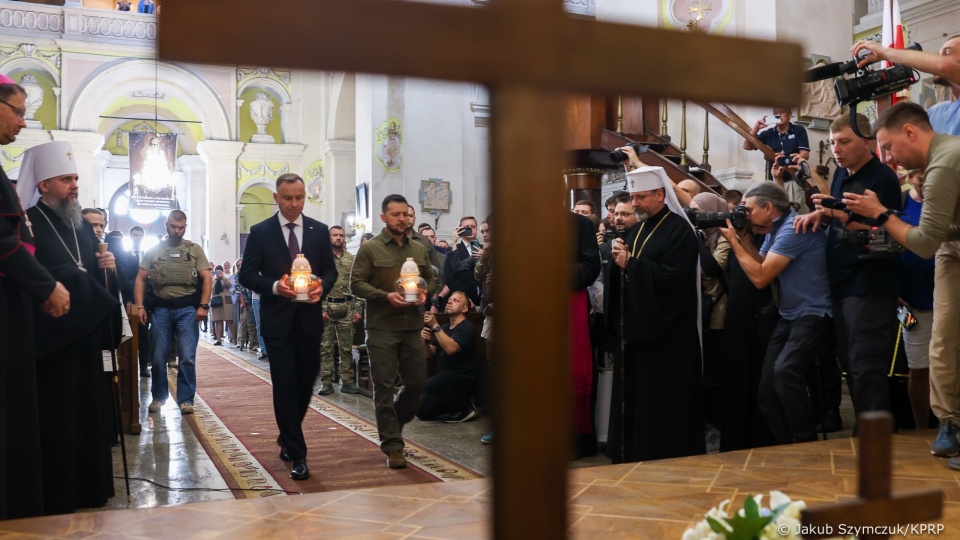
(340, 168)
(193, 199)
(220, 158)
(86, 145)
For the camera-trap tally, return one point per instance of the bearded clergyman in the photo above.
(75, 411)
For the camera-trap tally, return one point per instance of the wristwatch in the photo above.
(882, 218)
(437, 328)
(205, 306)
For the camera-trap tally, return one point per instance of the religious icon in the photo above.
(435, 195)
(932, 93)
(712, 16)
(363, 203)
(153, 182)
(389, 139)
(818, 99)
(315, 182)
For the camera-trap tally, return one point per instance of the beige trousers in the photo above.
(945, 338)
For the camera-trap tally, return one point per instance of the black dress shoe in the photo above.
(300, 470)
(285, 455)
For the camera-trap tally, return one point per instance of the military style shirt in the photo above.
(341, 288)
(375, 272)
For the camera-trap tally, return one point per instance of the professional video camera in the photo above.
(708, 220)
(866, 84)
(617, 156)
(876, 238)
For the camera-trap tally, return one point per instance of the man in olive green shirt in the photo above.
(393, 325)
(905, 134)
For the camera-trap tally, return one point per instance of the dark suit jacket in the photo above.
(266, 259)
(128, 264)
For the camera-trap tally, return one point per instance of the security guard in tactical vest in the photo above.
(179, 273)
(340, 311)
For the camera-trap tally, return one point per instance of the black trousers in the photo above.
(866, 335)
(294, 364)
(783, 397)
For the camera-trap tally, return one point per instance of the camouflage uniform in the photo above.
(340, 305)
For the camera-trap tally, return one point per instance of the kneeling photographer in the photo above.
(799, 262)
(906, 136)
(863, 282)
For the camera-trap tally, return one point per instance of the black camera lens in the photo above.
(617, 156)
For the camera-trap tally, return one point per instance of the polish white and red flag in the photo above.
(892, 33)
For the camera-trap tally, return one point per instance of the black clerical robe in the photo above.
(661, 361)
(24, 284)
(75, 410)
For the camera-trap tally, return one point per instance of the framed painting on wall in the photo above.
(435, 195)
(363, 202)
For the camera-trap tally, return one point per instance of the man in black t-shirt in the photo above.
(864, 286)
(449, 394)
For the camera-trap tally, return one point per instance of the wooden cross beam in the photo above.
(531, 54)
(875, 508)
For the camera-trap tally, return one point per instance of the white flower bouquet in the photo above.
(752, 522)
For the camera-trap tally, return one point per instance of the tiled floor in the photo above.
(650, 500)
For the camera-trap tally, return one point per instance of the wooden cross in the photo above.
(875, 507)
(531, 54)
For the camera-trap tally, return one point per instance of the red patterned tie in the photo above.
(292, 243)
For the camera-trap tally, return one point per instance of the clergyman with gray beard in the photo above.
(70, 377)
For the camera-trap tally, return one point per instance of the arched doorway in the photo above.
(257, 201)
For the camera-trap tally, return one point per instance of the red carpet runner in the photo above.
(234, 423)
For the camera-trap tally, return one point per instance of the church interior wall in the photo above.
(364, 148)
(308, 109)
(435, 146)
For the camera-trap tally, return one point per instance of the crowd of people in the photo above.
(740, 311)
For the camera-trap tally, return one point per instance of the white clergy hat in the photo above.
(41, 163)
(651, 178)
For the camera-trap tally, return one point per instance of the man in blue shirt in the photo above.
(799, 261)
(786, 139)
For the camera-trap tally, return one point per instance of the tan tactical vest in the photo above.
(174, 266)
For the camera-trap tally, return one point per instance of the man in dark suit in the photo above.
(129, 265)
(292, 330)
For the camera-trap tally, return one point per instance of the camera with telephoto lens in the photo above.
(709, 220)
(876, 238)
(618, 156)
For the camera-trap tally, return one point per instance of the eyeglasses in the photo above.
(623, 214)
(640, 197)
(21, 113)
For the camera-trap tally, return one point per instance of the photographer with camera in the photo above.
(786, 139)
(944, 65)
(863, 282)
(799, 262)
(798, 167)
(459, 263)
(906, 136)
